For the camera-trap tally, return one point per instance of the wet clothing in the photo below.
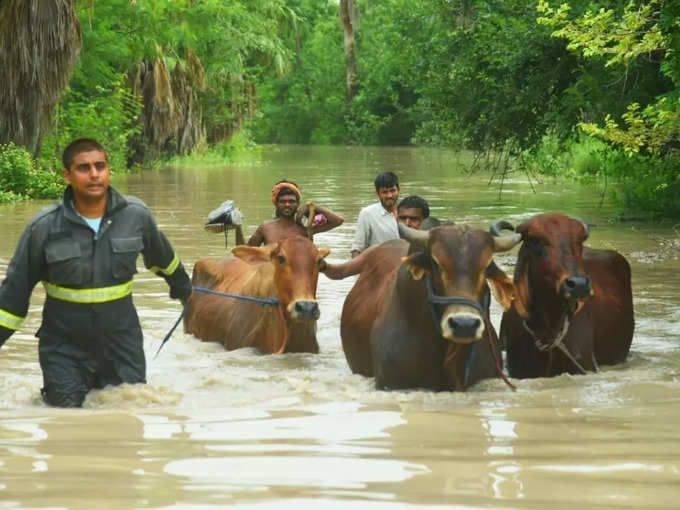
(90, 334)
(374, 226)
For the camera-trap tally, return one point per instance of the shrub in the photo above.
(650, 185)
(21, 179)
(16, 168)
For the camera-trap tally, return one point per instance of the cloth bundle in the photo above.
(226, 216)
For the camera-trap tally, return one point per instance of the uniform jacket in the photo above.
(88, 309)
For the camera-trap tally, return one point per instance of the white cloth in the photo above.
(374, 226)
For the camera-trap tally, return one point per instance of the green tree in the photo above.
(39, 42)
(640, 30)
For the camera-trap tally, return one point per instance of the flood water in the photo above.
(214, 428)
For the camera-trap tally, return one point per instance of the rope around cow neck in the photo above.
(557, 342)
(261, 301)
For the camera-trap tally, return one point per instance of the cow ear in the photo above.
(521, 281)
(251, 254)
(418, 264)
(320, 262)
(503, 291)
(501, 285)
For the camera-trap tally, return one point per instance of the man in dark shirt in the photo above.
(84, 250)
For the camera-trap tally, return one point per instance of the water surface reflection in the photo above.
(299, 430)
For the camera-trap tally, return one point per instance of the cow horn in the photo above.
(585, 225)
(505, 243)
(499, 225)
(413, 236)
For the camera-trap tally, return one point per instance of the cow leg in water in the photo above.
(407, 358)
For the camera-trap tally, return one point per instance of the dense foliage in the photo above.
(20, 178)
(531, 79)
(582, 89)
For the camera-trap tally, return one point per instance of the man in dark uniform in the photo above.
(84, 250)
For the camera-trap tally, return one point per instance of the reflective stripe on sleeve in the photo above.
(171, 268)
(9, 320)
(94, 295)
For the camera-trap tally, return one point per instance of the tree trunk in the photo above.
(172, 117)
(39, 47)
(349, 19)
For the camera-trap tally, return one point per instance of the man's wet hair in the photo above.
(386, 180)
(78, 146)
(414, 201)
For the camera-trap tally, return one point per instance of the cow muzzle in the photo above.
(576, 287)
(462, 327)
(304, 310)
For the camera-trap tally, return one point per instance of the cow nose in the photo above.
(464, 326)
(577, 287)
(306, 310)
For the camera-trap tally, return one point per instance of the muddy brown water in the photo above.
(215, 428)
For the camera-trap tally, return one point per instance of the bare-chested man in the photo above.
(289, 217)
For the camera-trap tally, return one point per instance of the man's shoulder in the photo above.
(372, 209)
(135, 202)
(44, 215)
(134, 205)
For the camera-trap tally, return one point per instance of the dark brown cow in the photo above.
(573, 307)
(287, 270)
(416, 320)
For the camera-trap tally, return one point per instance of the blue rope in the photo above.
(172, 330)
(262, 301)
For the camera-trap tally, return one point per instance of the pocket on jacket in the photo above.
(125, 251)
(64, 266)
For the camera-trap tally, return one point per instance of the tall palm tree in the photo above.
(39, 46)
(349, 17)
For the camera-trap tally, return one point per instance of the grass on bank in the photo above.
(21, 177)
(240, 149)
(647, 186)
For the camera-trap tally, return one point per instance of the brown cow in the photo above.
(573, 307)
(416, 320)
(288, 270)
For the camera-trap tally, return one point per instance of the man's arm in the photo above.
(258, 237)
(349, 268)
(334, 219)
(23, 273)
(160, 258)
(361, 235)
(239, 236)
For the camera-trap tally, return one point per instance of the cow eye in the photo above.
(281, 259)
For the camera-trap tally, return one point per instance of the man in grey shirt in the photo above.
(377, 222)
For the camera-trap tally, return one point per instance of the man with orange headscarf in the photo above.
(291, 218)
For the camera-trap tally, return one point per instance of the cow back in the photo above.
(611, 307)
(233, 322)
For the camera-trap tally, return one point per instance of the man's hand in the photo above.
(301, 211)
